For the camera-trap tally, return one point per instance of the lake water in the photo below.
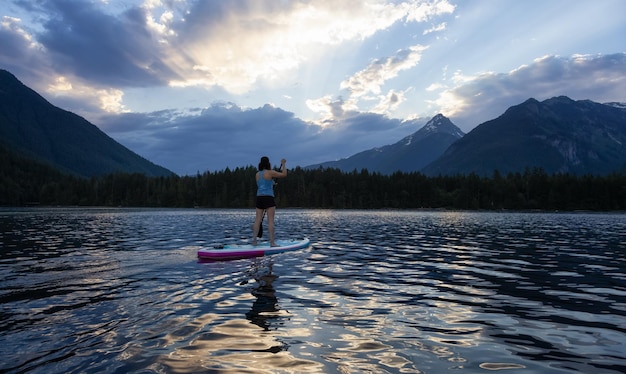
(121, 290)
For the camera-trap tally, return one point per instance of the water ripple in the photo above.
(120, 290)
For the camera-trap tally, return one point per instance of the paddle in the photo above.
(260, 233)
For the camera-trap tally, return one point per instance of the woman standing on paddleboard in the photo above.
(265, 196)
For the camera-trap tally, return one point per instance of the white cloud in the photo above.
(435, 87)
(267, 42)
(236, 44)
(424, 11)
(331, 110)
(487, 95)
(436, 28)
(106, 99)
(367, 85)
(390, 102)
(374, 76)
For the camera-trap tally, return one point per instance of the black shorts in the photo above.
(264, 202)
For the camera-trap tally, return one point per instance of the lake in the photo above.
(121, 290)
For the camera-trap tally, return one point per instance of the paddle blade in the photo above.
(260, 233)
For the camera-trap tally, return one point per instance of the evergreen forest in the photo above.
(25, 182)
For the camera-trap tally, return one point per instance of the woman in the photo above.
(265, 196)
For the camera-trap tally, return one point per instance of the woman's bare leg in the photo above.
(270, 224)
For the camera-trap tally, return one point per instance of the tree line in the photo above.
(29, 183)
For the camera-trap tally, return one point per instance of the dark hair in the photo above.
(265, 163)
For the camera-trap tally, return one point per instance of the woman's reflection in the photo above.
(266, 303)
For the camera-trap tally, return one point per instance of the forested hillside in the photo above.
(32, 126)
(24, 182)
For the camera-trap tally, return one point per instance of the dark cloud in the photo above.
(110, 50)
(18, 54)
(369, 122)
(12, 46)
(225, 135)
(77, 39)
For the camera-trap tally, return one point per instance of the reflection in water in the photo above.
(265, 307)
(108, 290)
(254, 345)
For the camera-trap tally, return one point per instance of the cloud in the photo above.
(374, 76)
(331, 110)
(390, 102)
(226, 135)
(367, 85)
(230, 44)
(119, 51)
(475, 99)
(80, 56)
(107, 100)
(235, 45)
(424, 11)
(265, 40)
(15, 40)
(21, 53)
(222, 135)
(439, 27)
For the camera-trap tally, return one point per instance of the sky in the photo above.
(205, 85)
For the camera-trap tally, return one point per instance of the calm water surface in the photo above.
(118, 291)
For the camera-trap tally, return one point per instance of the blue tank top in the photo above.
(264, 187)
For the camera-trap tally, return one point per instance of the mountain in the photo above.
(559, 135)
(34, 128)
(409, 154)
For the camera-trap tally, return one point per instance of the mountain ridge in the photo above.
(409, 154)
(33, 127)
(559, 135)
